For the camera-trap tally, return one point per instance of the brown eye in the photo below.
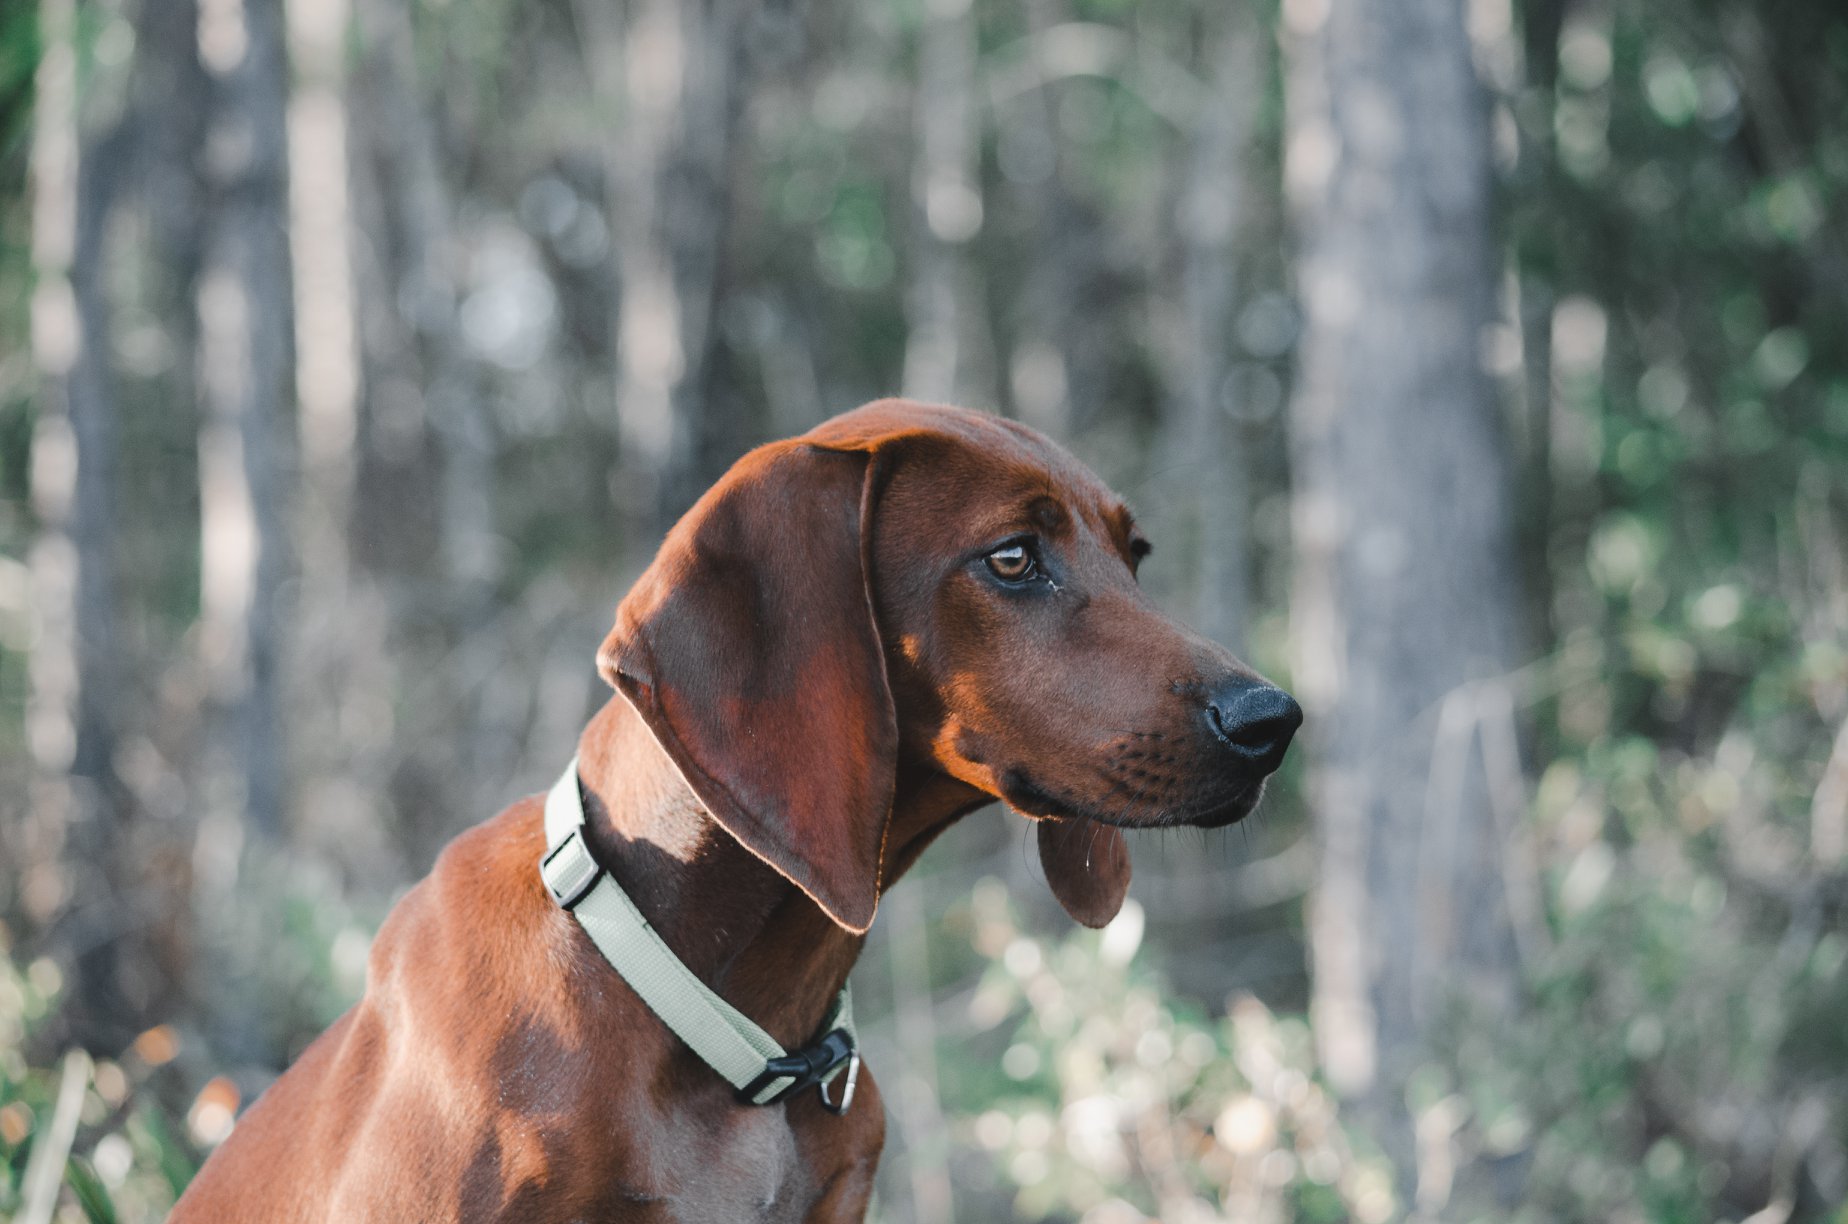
(1011, 563)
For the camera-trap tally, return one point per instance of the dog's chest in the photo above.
(749, 1166)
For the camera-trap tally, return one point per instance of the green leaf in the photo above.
(92, 1196)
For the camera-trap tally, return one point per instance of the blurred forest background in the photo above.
(1480, 368)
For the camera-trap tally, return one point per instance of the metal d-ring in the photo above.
(852, 1079)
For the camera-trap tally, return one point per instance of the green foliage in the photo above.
(1662, 1051)
(1113, 1100)
(149, 1115)
(1678, 1064)
(19, 54)
(1674, 1064)
(126, 1164)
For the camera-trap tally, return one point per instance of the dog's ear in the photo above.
(750, 649)
(1087, 864)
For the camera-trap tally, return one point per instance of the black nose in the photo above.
(1256, 721)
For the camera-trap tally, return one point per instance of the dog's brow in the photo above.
(1129, 536)
(1124, 520)
(1047, 513)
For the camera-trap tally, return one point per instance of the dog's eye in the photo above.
(1012, 563)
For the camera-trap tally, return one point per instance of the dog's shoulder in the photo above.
(478, 921)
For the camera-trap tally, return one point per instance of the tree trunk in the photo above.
(1542, 21)
(327, 360)
(1060, 367)
(78, 807)
(420, 370)
(942, 304)
(1202, 442)
(336, 665)
(1407, 592)
(424, 356)
(244, 376)
(673, 83)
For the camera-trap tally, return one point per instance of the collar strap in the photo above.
(727, 1040)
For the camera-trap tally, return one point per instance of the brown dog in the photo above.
(855, 637)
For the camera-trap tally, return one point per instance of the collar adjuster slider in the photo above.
(570, 871)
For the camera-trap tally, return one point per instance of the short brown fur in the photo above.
(817, 677)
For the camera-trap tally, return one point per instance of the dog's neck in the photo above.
(739, 925)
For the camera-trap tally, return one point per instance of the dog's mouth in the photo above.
(1037, 801)
(1240, 806)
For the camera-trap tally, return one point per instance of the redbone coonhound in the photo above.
(853, 639)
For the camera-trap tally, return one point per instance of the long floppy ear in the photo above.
(1087, 864)
(749, 648)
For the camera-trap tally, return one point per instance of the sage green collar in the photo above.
(727, 1040)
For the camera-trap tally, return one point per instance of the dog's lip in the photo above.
(1028, 798)
(1232, 811)
(1020, 792)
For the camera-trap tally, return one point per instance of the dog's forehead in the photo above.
(1007, 461)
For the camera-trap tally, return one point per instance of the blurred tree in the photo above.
(1059, 374)
(943, 315)
(1202, 435)
(246, 377)
(78, 808)
(320, 232)
(673, 82)
(244, 303)
(338, 621)
(1537, 295)
(1407, 598)
(424, 525)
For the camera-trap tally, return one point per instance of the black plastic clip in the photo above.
(806, 1069)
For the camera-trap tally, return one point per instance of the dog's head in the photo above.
(951, 586)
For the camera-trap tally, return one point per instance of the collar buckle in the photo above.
(808, 1068)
